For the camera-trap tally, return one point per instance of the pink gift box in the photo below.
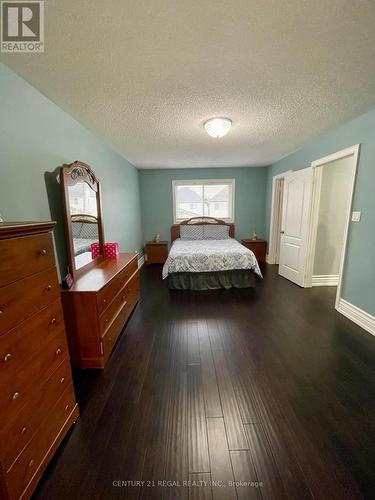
(112, 250)
(95, 251)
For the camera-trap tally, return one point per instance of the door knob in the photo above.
(282, 232)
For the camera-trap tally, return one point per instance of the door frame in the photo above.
(314, 212)
(276, 214)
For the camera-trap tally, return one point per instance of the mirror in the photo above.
(84, 222)
(81, 193)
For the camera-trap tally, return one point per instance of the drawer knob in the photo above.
(1, 312)
(43, 252)
(58, 352)
(23, 430)
(62, 380)
(67, 407)
(106, 320)
(104, 301)
(53, 321)
(49, 288)
(31, 463)
(7, 357)
(16, 395)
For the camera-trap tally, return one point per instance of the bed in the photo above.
(205, 256)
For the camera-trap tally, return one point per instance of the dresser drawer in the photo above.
(134, 288)
(19, 345)
(18, 431)
(28, 462)
(23, 298)
(111, 335)
(110, 314)
(16, 385)
(106, 294)
(24, 256)
(128, 295)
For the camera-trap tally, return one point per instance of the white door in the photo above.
(295, 225)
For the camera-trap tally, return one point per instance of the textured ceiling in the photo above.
(145, 75)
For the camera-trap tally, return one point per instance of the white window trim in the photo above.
(204, 181)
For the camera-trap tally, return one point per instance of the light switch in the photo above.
(356, 216)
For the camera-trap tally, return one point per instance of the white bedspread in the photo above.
(209, 255)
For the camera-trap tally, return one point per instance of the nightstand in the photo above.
(258, 247)
(157, 252)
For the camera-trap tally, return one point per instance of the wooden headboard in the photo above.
(175, 229)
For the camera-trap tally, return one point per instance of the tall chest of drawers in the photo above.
(97, 307)
(37, 401)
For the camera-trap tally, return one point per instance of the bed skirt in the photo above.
(212, 280)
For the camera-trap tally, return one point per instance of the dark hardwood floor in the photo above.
(268, 385)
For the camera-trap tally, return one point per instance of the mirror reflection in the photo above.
(84, 222)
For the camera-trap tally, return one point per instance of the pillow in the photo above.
(216, 232)
(191, 232)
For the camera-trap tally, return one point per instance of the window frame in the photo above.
(208, 182)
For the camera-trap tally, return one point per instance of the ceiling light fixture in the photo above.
(217, 127)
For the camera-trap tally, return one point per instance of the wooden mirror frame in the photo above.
(69, 176)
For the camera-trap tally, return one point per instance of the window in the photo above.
(210, 198)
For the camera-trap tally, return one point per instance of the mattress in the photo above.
(209, 255)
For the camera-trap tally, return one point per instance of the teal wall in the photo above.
(36, 138)
(156, 198)
(359, 271)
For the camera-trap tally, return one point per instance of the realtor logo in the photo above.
(22, 26)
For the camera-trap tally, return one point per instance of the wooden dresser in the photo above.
(37, 402)
(97, 307)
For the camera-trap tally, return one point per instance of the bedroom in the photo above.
(255, 392)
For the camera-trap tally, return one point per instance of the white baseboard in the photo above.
(325, 280)
(357, 315)
(141, 261)
(270, 259)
